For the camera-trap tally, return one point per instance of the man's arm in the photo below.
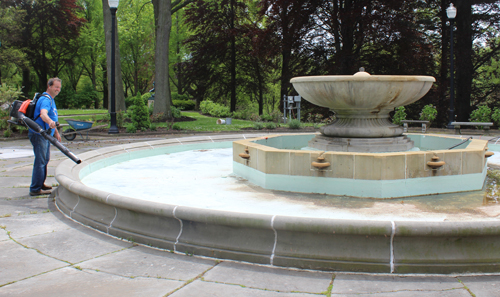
(44, 115)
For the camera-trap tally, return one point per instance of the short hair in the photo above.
(52, 80)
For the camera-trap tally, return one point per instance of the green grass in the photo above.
(208, 124)
(202, 124)
(64, 112)
(81, 114)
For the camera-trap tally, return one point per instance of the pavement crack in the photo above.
(466, 288)
(37, 250)
(199, 276)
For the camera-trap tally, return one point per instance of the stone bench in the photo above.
(457, 126)
(406, 122)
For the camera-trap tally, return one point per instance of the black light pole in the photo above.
(451, 12)
(113, 6)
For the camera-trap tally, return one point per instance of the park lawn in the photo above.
(65, 112)
(208, 124)
(88, 115)
(202, 124)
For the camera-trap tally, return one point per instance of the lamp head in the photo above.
(113, 3)
(451, 11)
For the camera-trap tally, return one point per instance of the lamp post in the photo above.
(451, 12)
(113, 6)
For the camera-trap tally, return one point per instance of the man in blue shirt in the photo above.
(46, 116)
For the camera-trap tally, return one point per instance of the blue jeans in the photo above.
(41, 149)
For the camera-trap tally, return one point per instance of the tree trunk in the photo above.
(119, 95)
(162, 84)
(26, 82)
(463, 54)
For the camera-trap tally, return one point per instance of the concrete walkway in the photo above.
(43, 253)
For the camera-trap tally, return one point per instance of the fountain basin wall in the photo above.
(275, 163)
(387, 246)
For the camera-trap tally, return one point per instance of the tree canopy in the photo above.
(243, 53)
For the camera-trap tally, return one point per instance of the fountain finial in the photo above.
(362, 72)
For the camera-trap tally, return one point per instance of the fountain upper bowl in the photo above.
(362, 91)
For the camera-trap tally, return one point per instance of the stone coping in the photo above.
(310, 243)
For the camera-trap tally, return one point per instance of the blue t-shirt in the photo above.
(48, 103)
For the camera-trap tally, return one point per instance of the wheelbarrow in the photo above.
(78, 127)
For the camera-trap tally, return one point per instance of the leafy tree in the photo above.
(212, 65)
(92, 52)
(291, 21)
(10, 34)
(137, 29)
(50, 29)
(163, 11)
(474, 19)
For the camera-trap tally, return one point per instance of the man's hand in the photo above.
(56, 134)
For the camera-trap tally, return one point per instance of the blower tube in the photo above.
(35, 127)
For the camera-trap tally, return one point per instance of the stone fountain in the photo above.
(362, 154)
(341, 161)
(362, 103)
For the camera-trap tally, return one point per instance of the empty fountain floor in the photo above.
(204, 179)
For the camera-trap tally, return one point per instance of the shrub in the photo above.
(176, 112)
(176, 126)
(481, 114)
(314, 118)
(153, 127)
(214, 109)
(86, 97)
(120, 118)
(258, 126)
(4, 117)
(399, 115)
(270, 125)
(254, 117)
(180, 97)
(266, 118)
(276, 115)
(66, 98)
(184, 104)
(9, 93)
(429, 113)
(206, 106)
(140, 114)
(156, 118)
(7, 133)
(243, 113)
(496, 116)
(131, 128)
(294, 124)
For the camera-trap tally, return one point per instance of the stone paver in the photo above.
(33, 224)
(486, 285)
(206, 289)
(35, 260)
(353, 284)
(73, 282)
(3, 234)
(24, 205)
(268, 278)
(147, 262)
(75, 245)
(18, 262)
